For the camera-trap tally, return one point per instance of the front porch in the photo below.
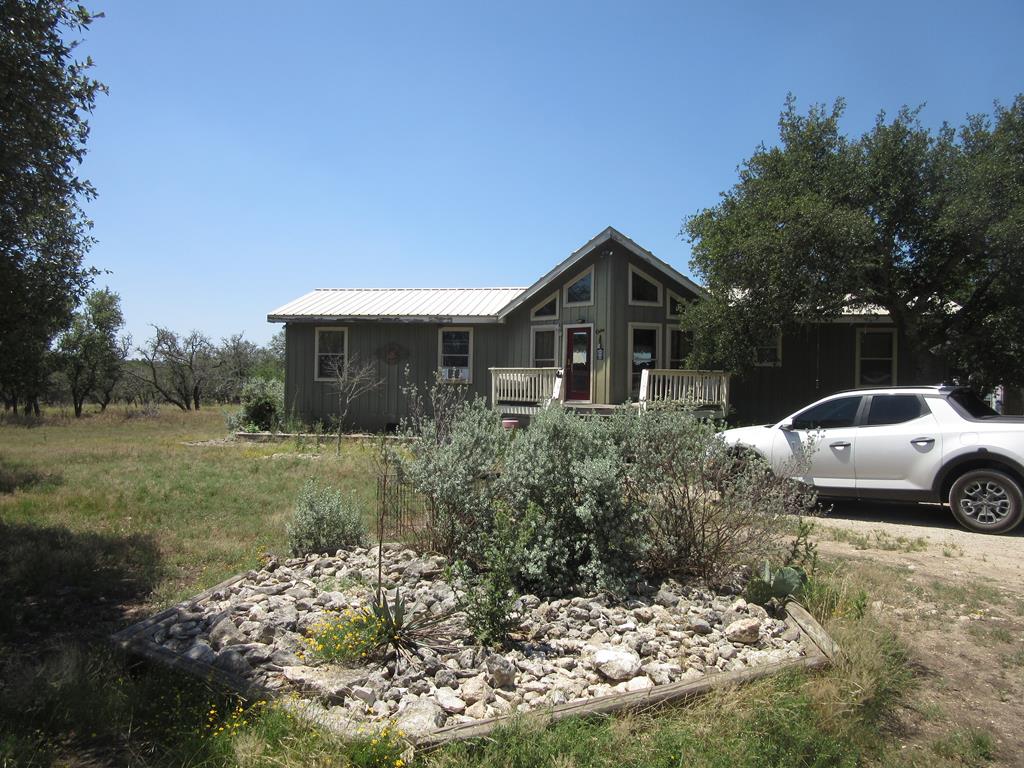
(525, 391)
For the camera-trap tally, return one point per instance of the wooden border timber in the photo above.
(325, 437)
(819, 646)
(810, 628)
(659, 695)
(138, 639)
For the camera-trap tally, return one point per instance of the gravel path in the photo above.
(950, 551)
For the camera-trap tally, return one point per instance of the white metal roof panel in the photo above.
(480, 304)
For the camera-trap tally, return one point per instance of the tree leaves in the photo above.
(44, 234)
(926, 225)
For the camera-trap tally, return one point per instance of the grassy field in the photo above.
(106, 519)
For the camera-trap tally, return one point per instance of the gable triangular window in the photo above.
(581, 290)
(643, 289)
(547, 310)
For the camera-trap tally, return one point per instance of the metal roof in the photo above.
(477, 305)
(425, 304)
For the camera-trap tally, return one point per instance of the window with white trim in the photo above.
(676, 305)
(680, 343)
(580, 292)
(876, 357)
(769, 355)
(546, 310)
(644, 290)
(455, 354)
(330, 351)
(543, 352)
(644, 340)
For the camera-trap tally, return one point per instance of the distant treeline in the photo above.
(91, 361)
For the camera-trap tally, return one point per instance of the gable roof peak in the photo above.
(607, 234)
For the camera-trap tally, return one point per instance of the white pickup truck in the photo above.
(936, 443)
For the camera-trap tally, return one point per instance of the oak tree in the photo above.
(46, 95)
(925, 225)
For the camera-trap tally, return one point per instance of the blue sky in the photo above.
(249, 152)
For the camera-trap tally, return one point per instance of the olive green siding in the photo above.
(624, 313)
(817, 360)
(394, 346)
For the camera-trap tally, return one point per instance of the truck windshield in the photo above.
(970, 402)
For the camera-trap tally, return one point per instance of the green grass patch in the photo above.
(971, 748)
(874, 540)
(109, 513)
(969, 593)
(187, 515)
(988, 632)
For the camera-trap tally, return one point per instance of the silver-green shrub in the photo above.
(324, 521)
(565, 476)
(706, 510)
(597, 503)
(452, 462)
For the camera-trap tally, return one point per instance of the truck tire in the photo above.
(987, 501)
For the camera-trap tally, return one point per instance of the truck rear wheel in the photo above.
(987, 501)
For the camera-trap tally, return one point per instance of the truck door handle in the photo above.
(839, 444)
(922, 441)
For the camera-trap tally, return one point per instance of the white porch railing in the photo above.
(525, 386)
(702, 388)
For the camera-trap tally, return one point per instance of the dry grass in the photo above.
(109, 514)
(197, 513)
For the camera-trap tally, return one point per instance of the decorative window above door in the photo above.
(580, 292)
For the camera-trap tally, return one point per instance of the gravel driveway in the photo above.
(956, 601)
(950, 551)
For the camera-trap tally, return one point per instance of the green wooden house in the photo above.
(599, 330)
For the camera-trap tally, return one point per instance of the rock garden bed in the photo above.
(569, 656)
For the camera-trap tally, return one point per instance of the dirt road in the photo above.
(956, 599)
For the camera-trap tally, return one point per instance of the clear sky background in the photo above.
(251, 151)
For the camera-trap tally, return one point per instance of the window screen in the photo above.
(679, 345)
(877, 361)
(455, 355)
(769, 355)
(330, 352)
(645, 355)
(543, 349)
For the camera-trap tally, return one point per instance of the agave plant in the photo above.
(406, 631)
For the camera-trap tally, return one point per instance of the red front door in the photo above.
(577, 363)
